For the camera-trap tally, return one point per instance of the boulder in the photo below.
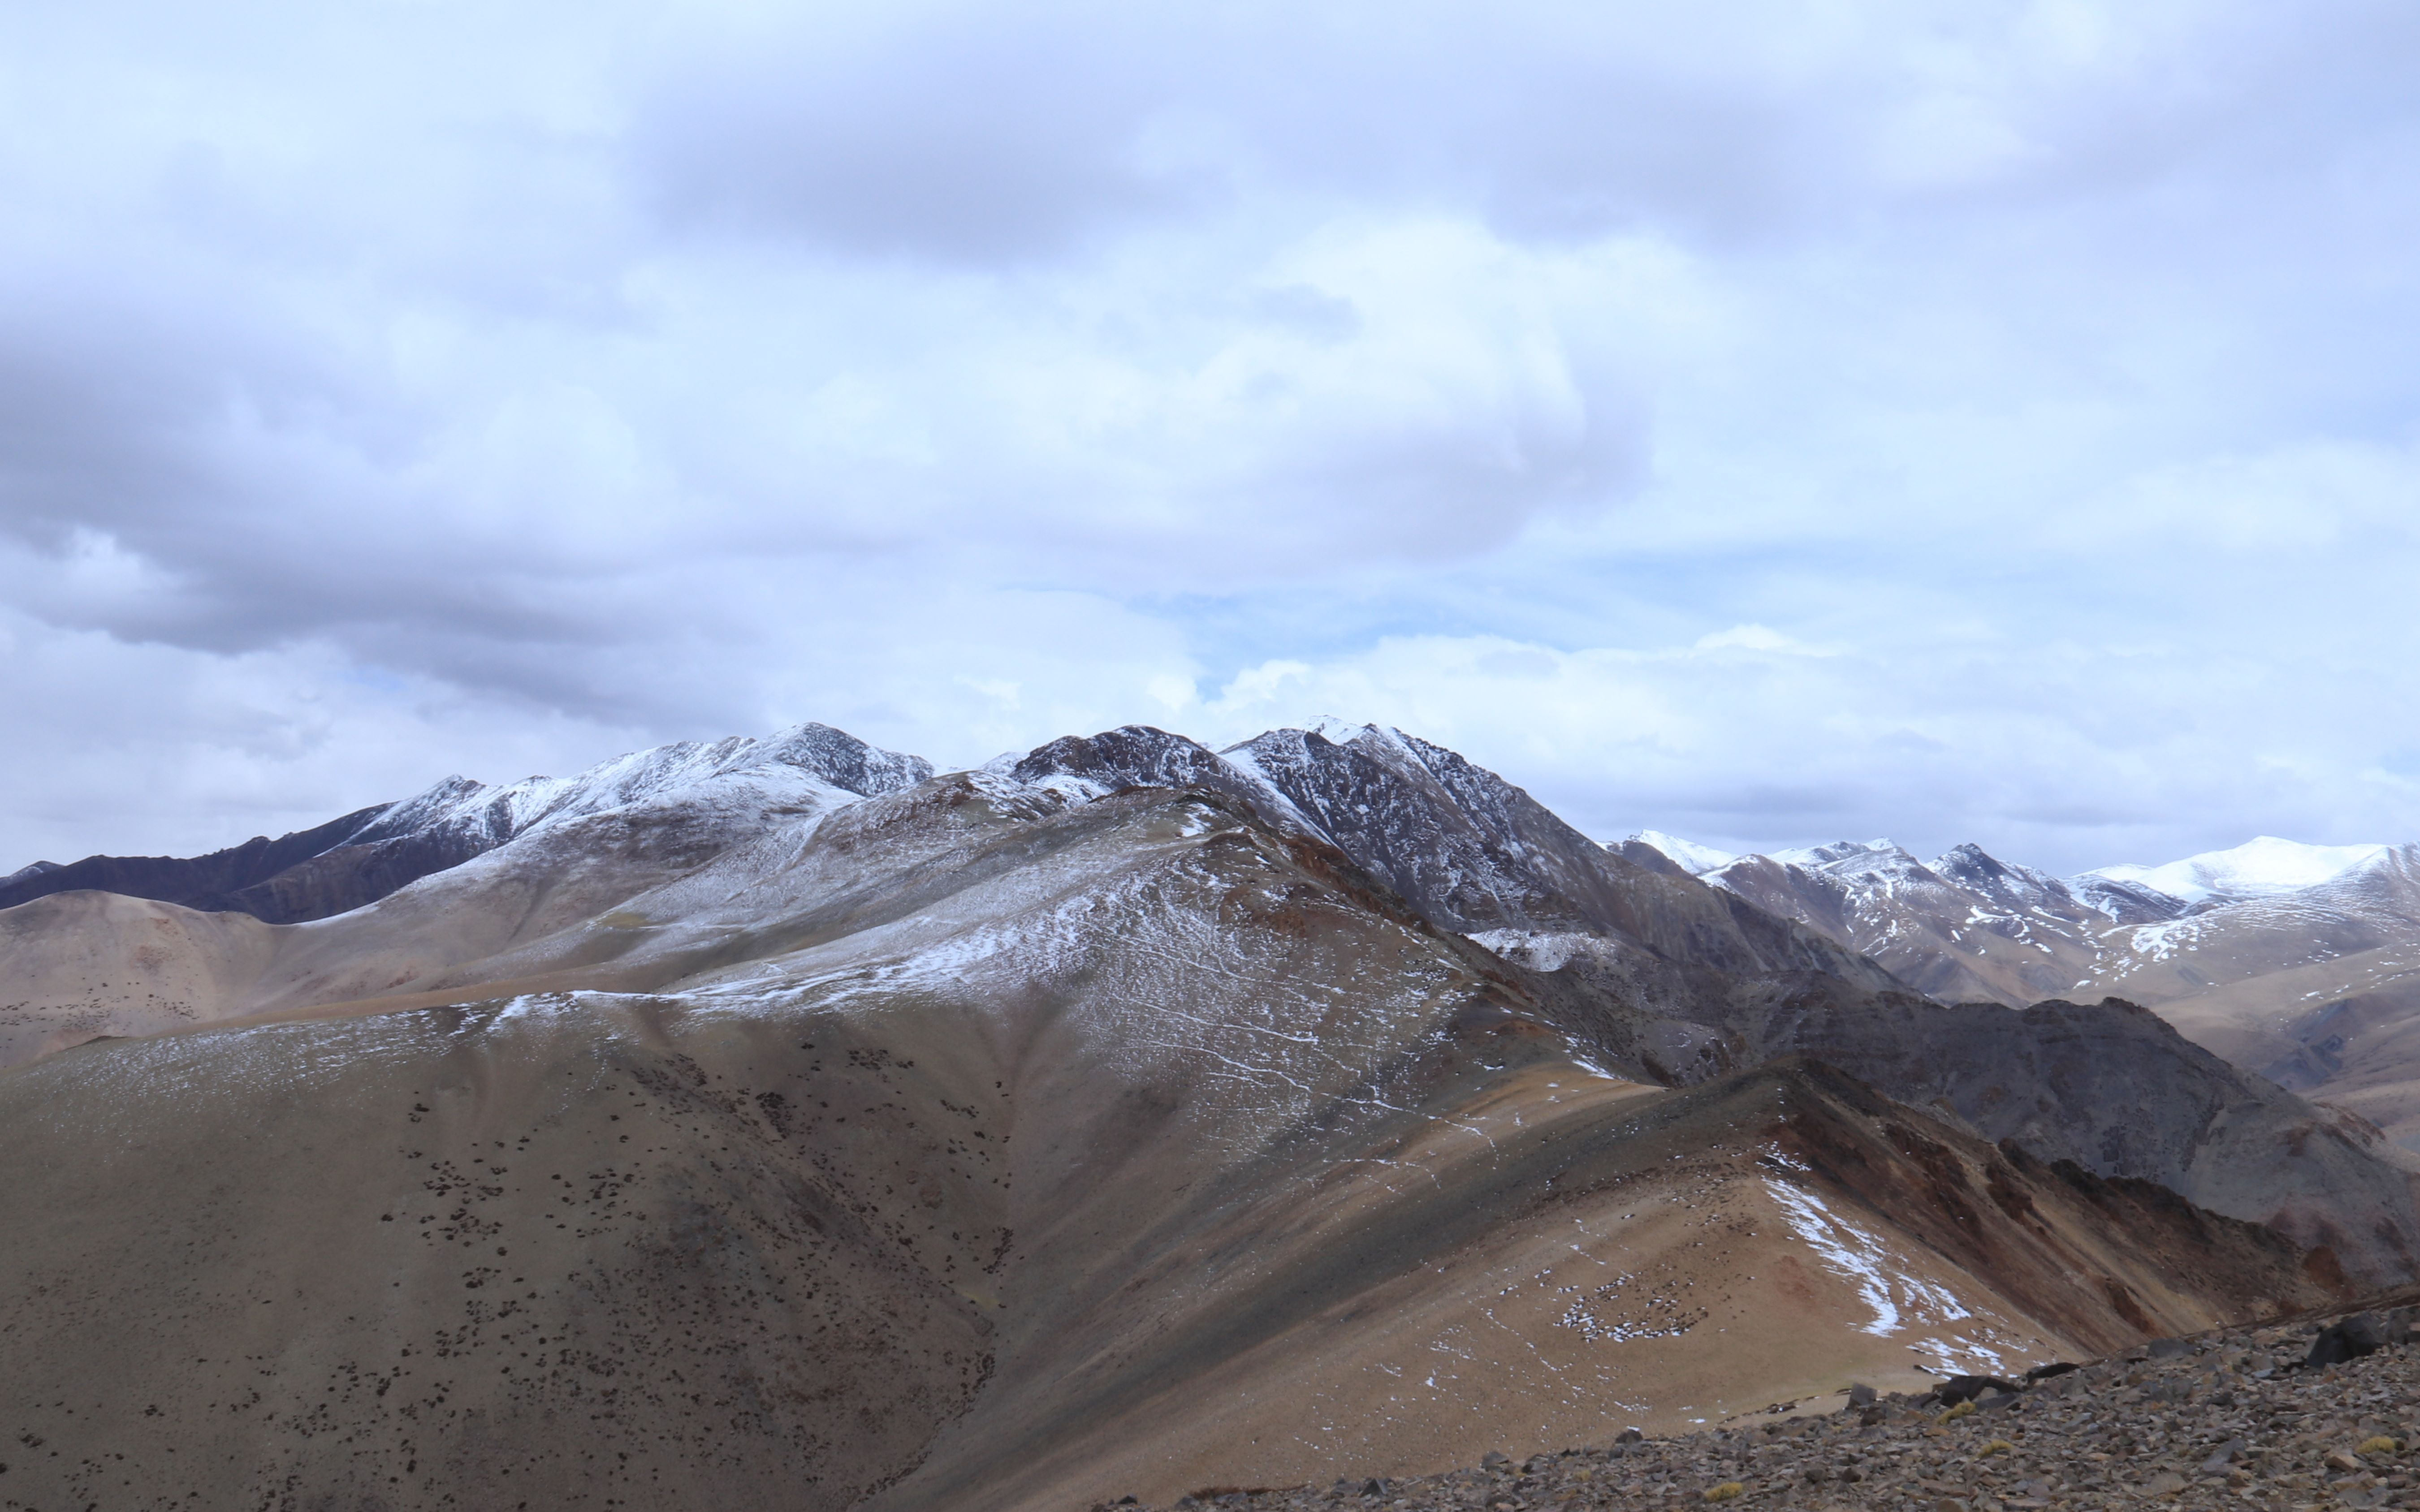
(2347, 1338)
(1966, 1388)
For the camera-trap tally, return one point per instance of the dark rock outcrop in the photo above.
(2115, 1089)
(2347, 1338)
(215, 883)
(1967, 1388)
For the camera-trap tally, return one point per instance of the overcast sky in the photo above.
(1767, 422)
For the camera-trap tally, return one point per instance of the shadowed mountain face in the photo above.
(1967, 927)
(207, 882)
(2110, 1086)
(2315, 986)
(1026, 1137)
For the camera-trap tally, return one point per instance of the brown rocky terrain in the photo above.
(1659, 971)
(2228, 1419)
(1007, 1141)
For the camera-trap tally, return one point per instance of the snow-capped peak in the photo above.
(1688, 856)
(488, 815)
(2260, 867)
(1329, 728)
(1880, 859)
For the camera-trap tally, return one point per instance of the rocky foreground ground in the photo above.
(2227, 1420)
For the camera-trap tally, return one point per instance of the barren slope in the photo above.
(1023, 1150)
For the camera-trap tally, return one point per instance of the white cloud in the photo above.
(2056, 753)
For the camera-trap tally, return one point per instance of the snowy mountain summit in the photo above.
(1690, 857)
(2263, 867)
(362, 856)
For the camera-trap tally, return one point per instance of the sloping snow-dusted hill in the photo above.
(2318, 987)
(2261, 867)
(362, 856)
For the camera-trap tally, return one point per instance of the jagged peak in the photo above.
(838, 758)
(1854, 860)
(1972, 867)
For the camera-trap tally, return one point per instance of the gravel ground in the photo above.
(2228, 1420)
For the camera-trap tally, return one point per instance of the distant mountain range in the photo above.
(783, 1123)
(2300, 962)
(362, 856)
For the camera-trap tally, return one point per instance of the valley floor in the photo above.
(2231, 1422)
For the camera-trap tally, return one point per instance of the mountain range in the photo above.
(2299, 961)
(783, 1122)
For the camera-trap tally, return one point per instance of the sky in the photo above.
(1764, 423)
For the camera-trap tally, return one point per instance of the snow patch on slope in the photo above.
(1897, 1298)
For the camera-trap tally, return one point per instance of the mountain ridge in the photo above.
(361, 857)
(2315, 986)
(1197, 1118)
(1662, 978)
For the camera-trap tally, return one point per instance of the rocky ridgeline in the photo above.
(2253, 1418)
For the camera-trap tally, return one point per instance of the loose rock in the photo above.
(2209, 1423)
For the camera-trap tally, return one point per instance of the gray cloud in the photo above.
(384, 393)
(965, 134)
